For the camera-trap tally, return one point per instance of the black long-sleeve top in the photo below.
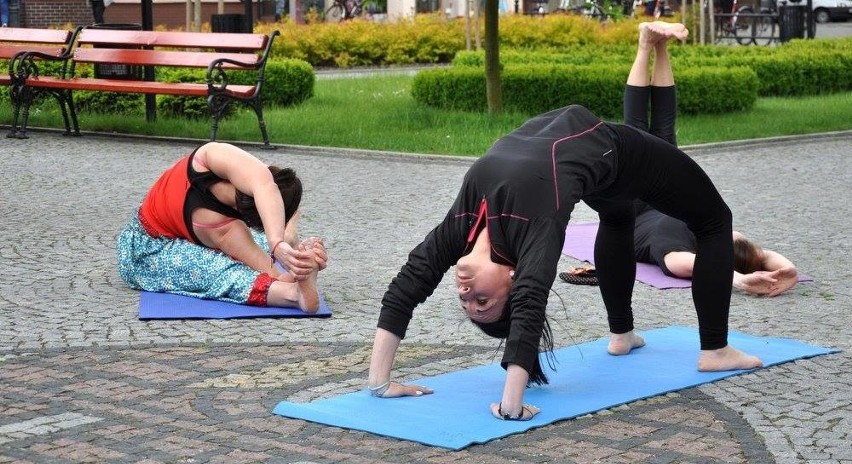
(524, 189)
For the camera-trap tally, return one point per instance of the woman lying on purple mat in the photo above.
(668, 243)
(505, 231)
(214, 225)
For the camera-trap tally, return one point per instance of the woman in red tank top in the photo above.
(214, 225)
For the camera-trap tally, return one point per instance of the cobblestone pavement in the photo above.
(83, 380)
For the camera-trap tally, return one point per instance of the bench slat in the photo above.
(217, 40)
(115, 85)
(8, 51)
(158, 57)
(19, 34)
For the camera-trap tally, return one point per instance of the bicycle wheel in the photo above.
(723, 29)
(334, 13)
(763, 29)
(743, 21)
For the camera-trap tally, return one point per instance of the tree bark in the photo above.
(493, 86)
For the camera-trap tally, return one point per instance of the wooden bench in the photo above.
(16, 42)
(220, 54)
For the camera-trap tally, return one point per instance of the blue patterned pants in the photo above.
(182, 267)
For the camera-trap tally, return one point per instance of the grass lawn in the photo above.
(378, 113)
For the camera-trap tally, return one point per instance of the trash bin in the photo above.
(16, 13)
(118, 71)
(228, 23)
(792, 21)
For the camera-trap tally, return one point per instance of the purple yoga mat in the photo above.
(580, 244)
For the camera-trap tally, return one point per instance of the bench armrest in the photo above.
(217, 71)
(24, 65)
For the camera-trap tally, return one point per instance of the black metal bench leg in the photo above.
(16, 94)
(217, 105)
(258, 111)
(69, 100)
(60, 99)
(26, 101)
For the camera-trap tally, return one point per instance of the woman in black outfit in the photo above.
(505, 231)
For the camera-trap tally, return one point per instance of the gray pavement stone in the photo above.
(202, 391)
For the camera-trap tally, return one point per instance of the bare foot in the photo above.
(726, 359)
(308, 293)
(651, 33)
(621, 344)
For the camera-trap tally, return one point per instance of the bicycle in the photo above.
(738, 24)
(763, 27)
(600, 10)
(343, 10)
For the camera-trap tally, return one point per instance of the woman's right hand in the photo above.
(299, 263)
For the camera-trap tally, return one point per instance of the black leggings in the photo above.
(655, 171)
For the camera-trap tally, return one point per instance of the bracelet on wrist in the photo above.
(379, 390)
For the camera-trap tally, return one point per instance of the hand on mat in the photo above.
(396, 389)
(528, 411)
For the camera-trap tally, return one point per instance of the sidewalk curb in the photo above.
(355, 153)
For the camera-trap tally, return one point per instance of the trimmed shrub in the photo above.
(716, 90)
(534, 89)
(288, 82)
(109, 102)
(432, 38)
(805, 68)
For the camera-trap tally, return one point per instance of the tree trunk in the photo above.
(467, 25)
(493, 90)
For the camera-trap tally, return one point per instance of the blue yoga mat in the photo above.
(587, 380)
(171, 306)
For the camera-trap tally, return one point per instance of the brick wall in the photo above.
(46, 13)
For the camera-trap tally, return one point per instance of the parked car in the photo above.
(832, 10)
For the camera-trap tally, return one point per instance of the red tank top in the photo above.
(162, 210)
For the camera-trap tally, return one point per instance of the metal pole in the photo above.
(148, 71)
(249, 18)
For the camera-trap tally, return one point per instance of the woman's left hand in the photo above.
(396, 389)
(528, 411)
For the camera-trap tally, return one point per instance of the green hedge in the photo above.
(801, 67)
(533, 89)
(791, 73)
